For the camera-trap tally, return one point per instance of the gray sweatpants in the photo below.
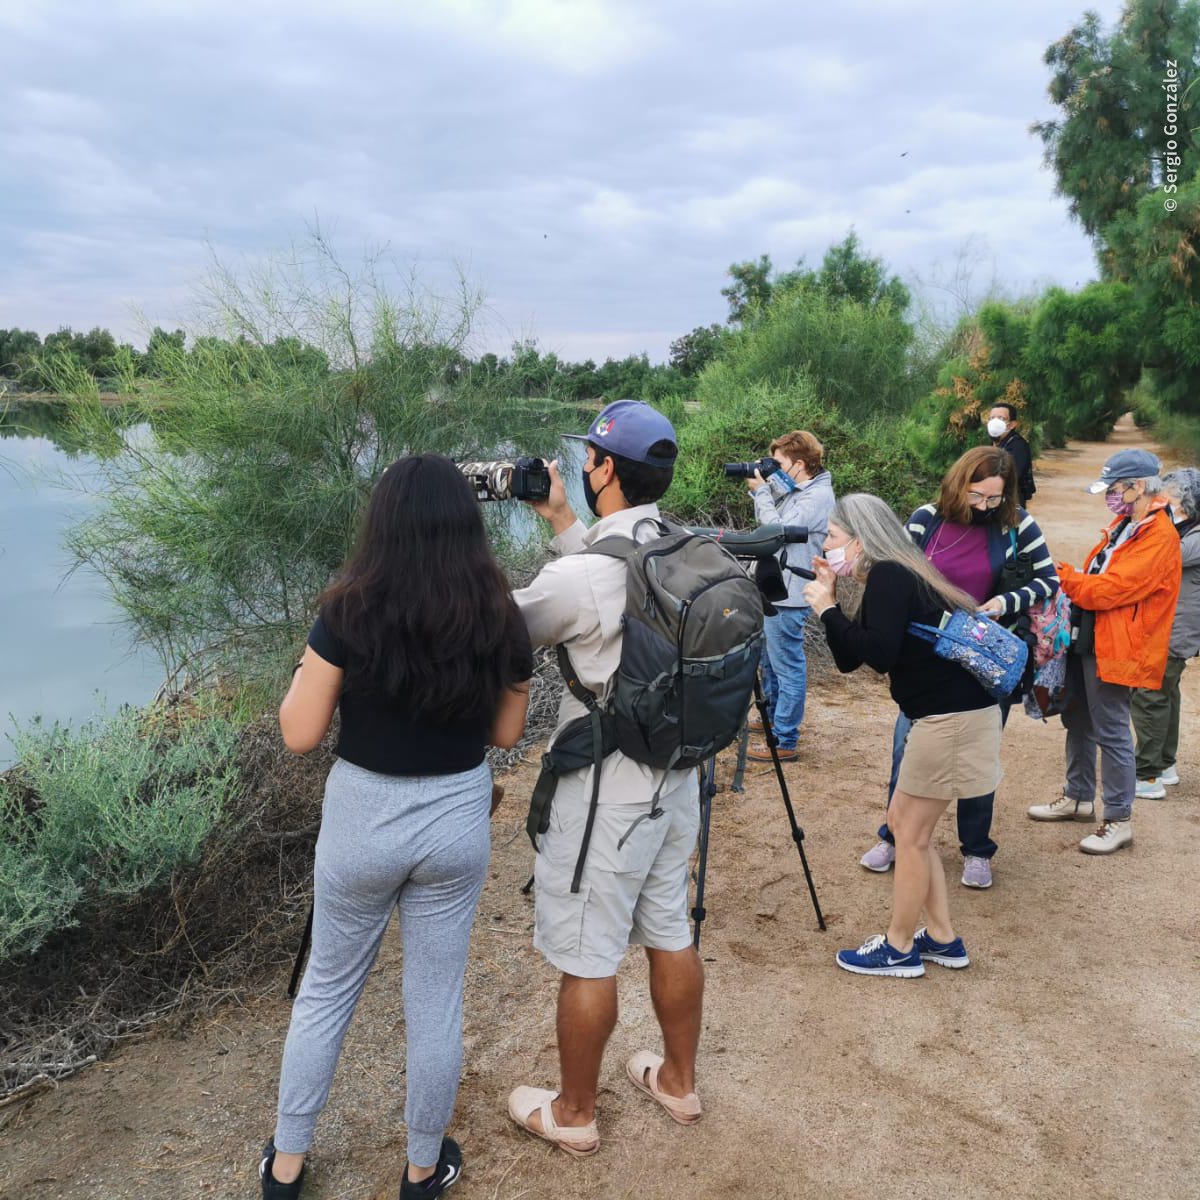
(1097, 714)
(419, 844)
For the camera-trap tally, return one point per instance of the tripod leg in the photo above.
(797, 832)
(708, 789)
(739, 772)
(305, 942)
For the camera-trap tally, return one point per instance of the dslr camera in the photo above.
(745, 470)
(520, 479)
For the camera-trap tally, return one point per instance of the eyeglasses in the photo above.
(1118, 489)
(978, 498)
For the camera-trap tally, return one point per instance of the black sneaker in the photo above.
(449, 1170)
(271, 1187)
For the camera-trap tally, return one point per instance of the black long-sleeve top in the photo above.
(1022, 457)
(922, 684)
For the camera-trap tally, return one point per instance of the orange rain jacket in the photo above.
(1134, 599)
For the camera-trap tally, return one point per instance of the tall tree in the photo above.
(1114, 140)
(847, 273)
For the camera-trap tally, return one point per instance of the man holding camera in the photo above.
(799, 492)
(633, 886)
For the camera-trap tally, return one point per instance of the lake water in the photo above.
(61, 645)
(63, 651)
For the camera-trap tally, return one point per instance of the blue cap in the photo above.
(629, 428)
(1126, 464)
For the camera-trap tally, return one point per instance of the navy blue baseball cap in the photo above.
(1126, 464)
(629, 428)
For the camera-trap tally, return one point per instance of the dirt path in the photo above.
(1063, 1063)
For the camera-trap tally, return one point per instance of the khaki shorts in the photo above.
(952, 756)
(634, 888)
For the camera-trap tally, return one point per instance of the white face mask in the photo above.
(997, 427)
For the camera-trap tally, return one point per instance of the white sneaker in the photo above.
(1112, 835)
(879, 858)
(1170, 777)
(1150, 789)
(1063, 809)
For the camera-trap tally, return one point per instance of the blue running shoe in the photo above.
(948, 954)
(877, 956)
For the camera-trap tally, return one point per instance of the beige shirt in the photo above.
(579, 599)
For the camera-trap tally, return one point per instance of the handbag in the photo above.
(992, 655)
(1016, 573)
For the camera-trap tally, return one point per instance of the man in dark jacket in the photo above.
(1002, 429)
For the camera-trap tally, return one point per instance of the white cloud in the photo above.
(596, 164)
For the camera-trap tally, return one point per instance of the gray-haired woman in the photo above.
(954, 747)
(1156, 712)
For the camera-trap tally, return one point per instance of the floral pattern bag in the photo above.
(991, 654)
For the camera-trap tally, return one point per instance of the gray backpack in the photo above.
(689, 655)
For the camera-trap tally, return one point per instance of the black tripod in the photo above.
(709, 789)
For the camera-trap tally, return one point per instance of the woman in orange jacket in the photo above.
(1122, 603)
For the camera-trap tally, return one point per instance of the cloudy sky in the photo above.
(593, 165)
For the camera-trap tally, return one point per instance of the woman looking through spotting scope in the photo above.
(954, 747)
(420, 646)
(982, 541)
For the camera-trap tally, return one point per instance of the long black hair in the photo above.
(421, 605)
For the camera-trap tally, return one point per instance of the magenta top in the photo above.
(960, 552)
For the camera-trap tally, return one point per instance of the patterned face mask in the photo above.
(1116, 504)
(781, 483)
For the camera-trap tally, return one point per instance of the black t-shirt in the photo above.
(381, 734)
(921, 683)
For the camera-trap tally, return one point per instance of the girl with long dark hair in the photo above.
(421, 648)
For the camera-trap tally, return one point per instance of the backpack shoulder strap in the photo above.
(585, 697)
(616, 545)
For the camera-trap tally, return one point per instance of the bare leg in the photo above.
(677, 990)
(937, 904)
(587, 1015)
(286, 1167)
(912, 820)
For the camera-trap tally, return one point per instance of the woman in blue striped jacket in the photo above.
(983, 542)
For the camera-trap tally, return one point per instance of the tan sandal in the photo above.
(579, 1141)
(643, 1069)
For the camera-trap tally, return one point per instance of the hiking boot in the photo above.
(977, 872)
(1112, 835)
(879, 858)
(1170, 777)
(946, 954)
(1150, 789)
(761, 752)
(1063, 809)
(272, 1189)
(877, 956)
(447, 1173)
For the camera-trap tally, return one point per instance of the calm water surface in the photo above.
(62, 650)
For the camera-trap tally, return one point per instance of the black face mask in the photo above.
(588, 494)
(986, 517)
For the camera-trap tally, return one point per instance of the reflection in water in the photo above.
(61, 641)
(60, 424)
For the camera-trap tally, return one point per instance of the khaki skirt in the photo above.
(952, 756)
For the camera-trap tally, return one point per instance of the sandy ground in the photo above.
(1063, 1063)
